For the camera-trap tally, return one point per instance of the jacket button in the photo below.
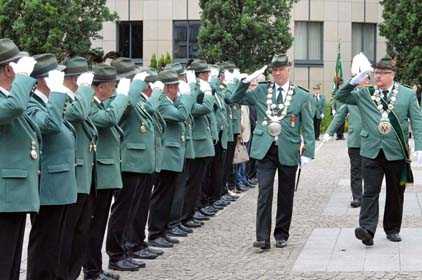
(38, 172)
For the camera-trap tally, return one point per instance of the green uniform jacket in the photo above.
(175, 115)
(299, 114)
(106, 116)
(220, 112)
(18, 169)
(57, 179)
(201, 129)
(372, 141)
(77, 113)
(319, 106)
(138, 148)
(355, 124)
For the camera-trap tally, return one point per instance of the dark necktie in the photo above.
(280, 95)
(384, 98)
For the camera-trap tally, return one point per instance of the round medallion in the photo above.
(384, 127)
(143, 129)
(274, 128)
(34, 154)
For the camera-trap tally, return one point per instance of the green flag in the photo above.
(339, 70)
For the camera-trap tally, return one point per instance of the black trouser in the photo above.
(136, 231)
(340, 131)
(267, 168)
(194, 186)
(229, 178)
(317, 127)
(214, 185)
(122, 215)
(251, 164)
(161, 200)
(373, 171)
(355, 173)
(75, 236)
(180, 193)
(44, 242)
(94, 263)
(12, 229)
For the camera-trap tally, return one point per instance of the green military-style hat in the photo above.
(168, 77)
(125, 67)
(386, 63)
(227, 65)
(9, 51)
(152, 76)
(177, 67)
(199, 66)
(280, 61)
(45, 63)
(75, 66)
(104, 73)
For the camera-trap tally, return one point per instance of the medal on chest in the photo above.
(384, 125)
(34, 153)
(275, 113)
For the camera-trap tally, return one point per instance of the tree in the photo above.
(62, 27)
(154, 62)
(247, 32)
(403, 30)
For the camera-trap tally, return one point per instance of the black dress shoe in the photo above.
(242, 188)
(253, 181)
(211, 209)
(218, 207)
(230, 198)
(160, 242)
(176, 232)
(365, 236)
(158, 252)
(200, 217)
(263, 245)
(250, 185)
(144, 254)
(394, 237)
(185, 229)
(206, 212)
(280, 243)
(106, 275)
(171, 239)
(122, 265)
(223, 202)
(192, 224)
(355, 203)
(138, 263)
(201, 223)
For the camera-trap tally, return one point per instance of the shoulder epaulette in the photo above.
(302, 88)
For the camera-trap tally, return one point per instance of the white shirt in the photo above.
(5, 91)
(144, 95)
(285, 88)
(70, 93)
(97, 99)
(41, 95)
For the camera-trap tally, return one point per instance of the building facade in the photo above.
(319, 27)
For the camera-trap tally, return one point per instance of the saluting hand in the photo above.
(123, 87)
(85, 79)
(55, 80)
(24, 66)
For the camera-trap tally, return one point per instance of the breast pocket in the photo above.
(13, 182)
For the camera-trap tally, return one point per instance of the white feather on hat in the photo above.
(360, 64)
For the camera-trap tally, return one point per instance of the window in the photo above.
(185, 39)
(364, 36)
(308, 43)
(129, 38)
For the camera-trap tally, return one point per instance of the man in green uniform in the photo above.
(385, 111)
(78, 216)
(106, 112)
(319, 109)
(284, 115)
(19, 156)
(57, 179)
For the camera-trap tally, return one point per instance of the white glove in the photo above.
(85, 79)
(418, 157)
(123, 87)
(244, 75)
(228, 76)
(236, 74)
(184, 88)
(304, 161)
(333, 112)
(205, 87)
(322, 115)
(190, 77)
(359, 78)
(326, 137)
(55, 80)
(255, 75)
(214, 73)
(157, 85)
(25, 65)
(141, 76)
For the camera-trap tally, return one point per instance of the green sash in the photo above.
(406, 175)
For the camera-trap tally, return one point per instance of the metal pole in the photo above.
(187, 30)
(130, 29)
